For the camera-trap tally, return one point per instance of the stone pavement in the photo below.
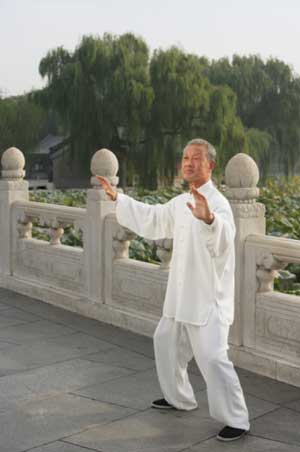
(71, 384)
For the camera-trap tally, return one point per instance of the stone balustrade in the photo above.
(56, 217)
(99, 280)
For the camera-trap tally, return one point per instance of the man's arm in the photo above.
(152, 222)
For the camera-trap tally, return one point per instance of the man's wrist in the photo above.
(210, 219)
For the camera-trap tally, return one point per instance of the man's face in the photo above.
(196, 167)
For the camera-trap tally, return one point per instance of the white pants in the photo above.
(175, 344)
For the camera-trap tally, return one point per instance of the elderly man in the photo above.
(199, 302)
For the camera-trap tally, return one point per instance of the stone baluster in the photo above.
(56, 232)
(12, 188)
(267, 266)
(103, 163)
(24, 227)
(121, 242)
(164, 252)
(241, 177)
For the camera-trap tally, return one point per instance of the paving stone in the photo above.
(117, 336)
(13, 316)
(4, 306)
(31, 332)
(248, 443)
(49, 351)
(60, 446)
(7, 344)
(280, 425)
(267, 389)
(41, 420)
(135, 391)
(118, 356)
(151, 431)
(258, 407)
(293, 405)
(11, 298)
(78, 363)
(68, 376)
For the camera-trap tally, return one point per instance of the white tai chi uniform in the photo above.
(199, 301)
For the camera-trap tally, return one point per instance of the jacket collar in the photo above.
(205, 188)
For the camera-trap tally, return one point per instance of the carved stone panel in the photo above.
(139, 289)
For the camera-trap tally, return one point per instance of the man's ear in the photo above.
(212, 165)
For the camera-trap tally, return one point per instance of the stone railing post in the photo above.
(241, 178)
(12, 188)
(103, 163)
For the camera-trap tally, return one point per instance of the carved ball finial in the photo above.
(241, 172)
(104, 163)
(241, 178)
(13, 162)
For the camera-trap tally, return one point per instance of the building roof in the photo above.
(43, 147)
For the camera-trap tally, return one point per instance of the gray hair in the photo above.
(211, 151)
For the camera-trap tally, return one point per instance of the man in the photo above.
(199, 302)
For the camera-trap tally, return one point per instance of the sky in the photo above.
(214, 28)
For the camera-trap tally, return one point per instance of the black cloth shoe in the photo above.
(162, 404)
(231, 434)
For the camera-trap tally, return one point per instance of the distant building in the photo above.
(67, 171)
(39, 171)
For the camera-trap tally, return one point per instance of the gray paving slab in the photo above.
(151, 431)
(14, 316)
(249, 443)
(7, 344)
(42, 420)
(11, 298)
(135, 391)
(293, 405)
(281, 425)
(68, 376)
(49, 351)
(119, 356)
(31, 332)
(60, 446)
(56, 367)
(268, 389)
(125, 339)
(4, 306)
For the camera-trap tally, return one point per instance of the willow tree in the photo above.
(268, 99)
(259, 145)
(223, 127)
(181, 98)
(22, 123)
(103, 92)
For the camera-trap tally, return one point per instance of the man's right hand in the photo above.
(113, 194)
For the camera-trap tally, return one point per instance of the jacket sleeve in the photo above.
(220, 234)
(149, 221)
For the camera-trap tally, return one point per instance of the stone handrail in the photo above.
(55, 216)
(100, 281)
(272, 254)
(284, 249)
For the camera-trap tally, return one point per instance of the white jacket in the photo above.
(202, 264)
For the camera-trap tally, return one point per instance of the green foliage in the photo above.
(268, 99)
(282, 200)
(21, 123)
(109, 92)
(73, 198)
(258, 145)
(100, 87)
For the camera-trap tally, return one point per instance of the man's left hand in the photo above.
(201, 209)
